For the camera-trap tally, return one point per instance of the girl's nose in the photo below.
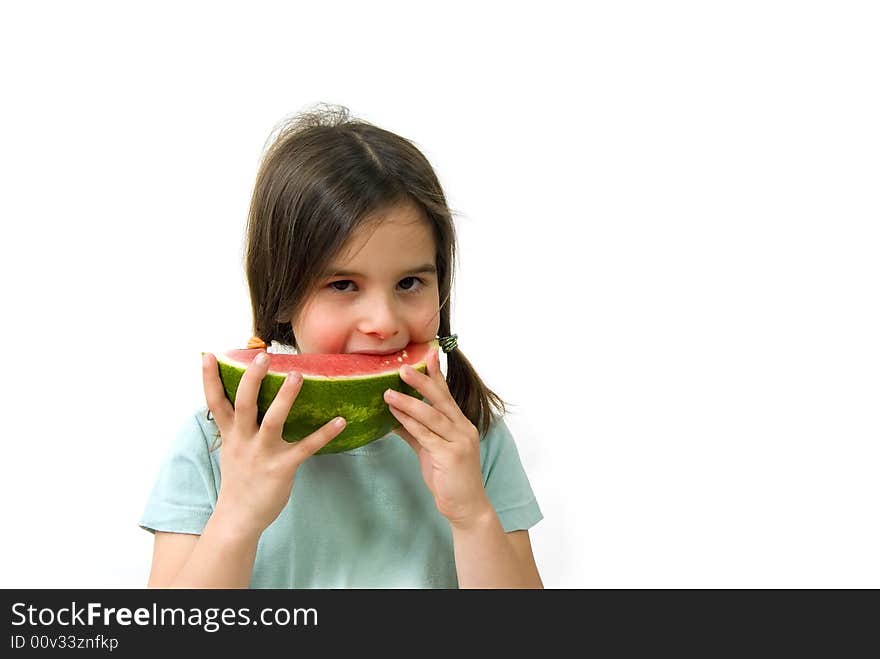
(381, 318)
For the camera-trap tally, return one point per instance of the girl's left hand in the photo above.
(445, 441)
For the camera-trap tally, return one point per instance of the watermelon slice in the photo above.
(347, 385)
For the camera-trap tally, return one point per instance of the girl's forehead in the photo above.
(395, 237)
(396, 217)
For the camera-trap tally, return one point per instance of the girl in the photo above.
(350, 248)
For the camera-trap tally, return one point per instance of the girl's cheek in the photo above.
(322, 330)
(430, 320)
(329, 334)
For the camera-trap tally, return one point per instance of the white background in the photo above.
(668, 220)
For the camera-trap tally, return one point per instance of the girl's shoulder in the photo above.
(498, 441)
(196, 433)
(499, 430)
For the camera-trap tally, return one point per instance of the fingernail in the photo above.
(294, 377)
(338, 422)
(261, 359)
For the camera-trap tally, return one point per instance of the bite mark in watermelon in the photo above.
(347, 385)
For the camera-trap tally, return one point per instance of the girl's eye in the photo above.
(416, 285)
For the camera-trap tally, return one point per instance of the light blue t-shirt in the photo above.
(363, 518)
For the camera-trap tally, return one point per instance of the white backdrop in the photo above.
(668, 220)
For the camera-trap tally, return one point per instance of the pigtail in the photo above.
(474, 398)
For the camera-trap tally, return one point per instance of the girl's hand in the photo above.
(257, 465)
(446, 442)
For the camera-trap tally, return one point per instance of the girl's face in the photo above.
(380, 293)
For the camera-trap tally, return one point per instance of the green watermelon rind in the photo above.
(360, 400)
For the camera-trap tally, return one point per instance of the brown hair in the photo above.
(321, 178)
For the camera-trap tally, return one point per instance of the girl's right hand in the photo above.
(257, 465)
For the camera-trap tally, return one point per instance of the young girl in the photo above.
(350, 248)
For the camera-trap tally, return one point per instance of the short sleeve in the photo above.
(185, 492)
(505, 480)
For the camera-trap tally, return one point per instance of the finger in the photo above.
(275, 417)
(434, 371)
(432, 387)
(419, 410)
(427, 439)
(215, 394)
(308, 446)
(248, 388)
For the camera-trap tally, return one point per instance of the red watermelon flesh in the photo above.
(337, 365)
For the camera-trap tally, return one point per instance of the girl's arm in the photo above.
(219, 558)
(487, 557)
(447, 446)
